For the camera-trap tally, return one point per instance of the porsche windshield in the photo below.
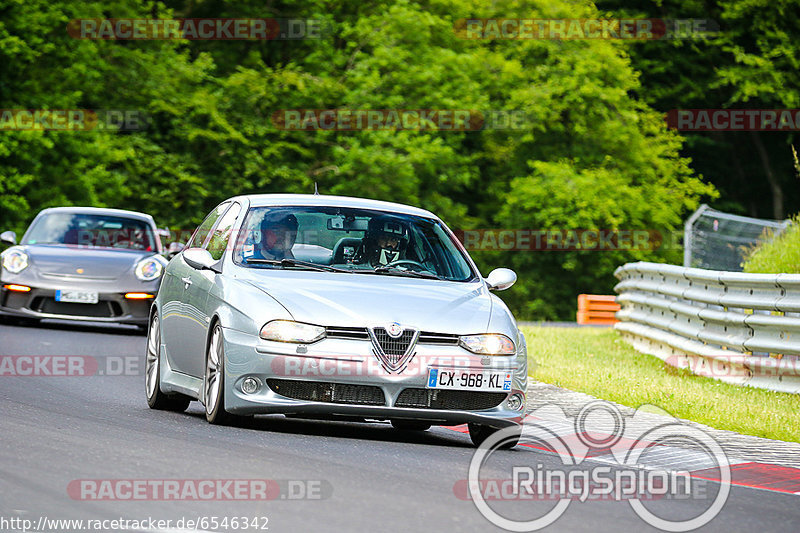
(92, 230)
(349, 240)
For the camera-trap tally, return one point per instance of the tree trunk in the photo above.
(777, 191)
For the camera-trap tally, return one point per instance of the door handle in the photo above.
(187, 282)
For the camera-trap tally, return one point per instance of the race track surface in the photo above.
(362, 477)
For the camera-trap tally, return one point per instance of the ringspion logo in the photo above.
(633, 468)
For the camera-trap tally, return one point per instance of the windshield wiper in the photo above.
(400, 271)
(286, 262)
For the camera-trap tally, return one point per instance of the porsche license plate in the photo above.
(76, 297)
(454, 379)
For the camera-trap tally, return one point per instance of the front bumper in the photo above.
(346, 379)
(112, 306)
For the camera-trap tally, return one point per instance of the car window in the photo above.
(350, 240)
(219, 236)
(204, 229)
(93, 231)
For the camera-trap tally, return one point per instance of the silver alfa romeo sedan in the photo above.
(332, 307)
(83, 263)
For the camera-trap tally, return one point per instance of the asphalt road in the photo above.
(362, 477)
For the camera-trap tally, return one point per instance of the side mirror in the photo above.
(500, 279)
(199, 259)
(8, 237)
(174, 249)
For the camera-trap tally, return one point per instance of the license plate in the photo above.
(453, 379)
(76, 297)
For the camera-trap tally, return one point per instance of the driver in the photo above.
(278, 234)
(385, 241)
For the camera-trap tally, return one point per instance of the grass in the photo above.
(597, 361)
(776, 254)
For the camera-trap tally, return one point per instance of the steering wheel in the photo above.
(409, 262)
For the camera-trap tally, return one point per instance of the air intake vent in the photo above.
(320, 391)
(449, 399)
(426, 337)
(335, 332)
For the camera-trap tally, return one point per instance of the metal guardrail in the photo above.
(736, 327)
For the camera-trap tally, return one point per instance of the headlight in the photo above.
(15, 260)
(148, 269)
(490, 344)
(289, 331)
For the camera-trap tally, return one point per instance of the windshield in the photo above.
(95, 231)
(349, 240)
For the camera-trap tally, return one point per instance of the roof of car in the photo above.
(99, 211)
(261, 200)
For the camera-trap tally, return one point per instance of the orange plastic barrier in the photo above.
(597, 309)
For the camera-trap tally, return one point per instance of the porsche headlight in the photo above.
(15, 260)
(290, 331)
(489, 344)
(148, 269)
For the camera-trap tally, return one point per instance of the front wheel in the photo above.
(214, 381)
(479, 433)
(155, 398)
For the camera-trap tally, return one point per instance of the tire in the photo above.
(214, 381)
(410, 425)
(152, 375)
(479, 433)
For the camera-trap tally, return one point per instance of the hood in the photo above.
(96, 263)
(357, 300)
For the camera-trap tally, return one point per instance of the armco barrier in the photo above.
(736, 327)
(596, 309)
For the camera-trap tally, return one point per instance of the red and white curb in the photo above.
(540, 431)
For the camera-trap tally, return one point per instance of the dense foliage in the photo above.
(594, 154)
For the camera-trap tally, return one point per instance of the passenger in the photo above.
(385, 241)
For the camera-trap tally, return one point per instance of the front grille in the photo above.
(320, 391)
(336, 332)
(394, 348)
(449, 399)
(426, 337)
(102, 309)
